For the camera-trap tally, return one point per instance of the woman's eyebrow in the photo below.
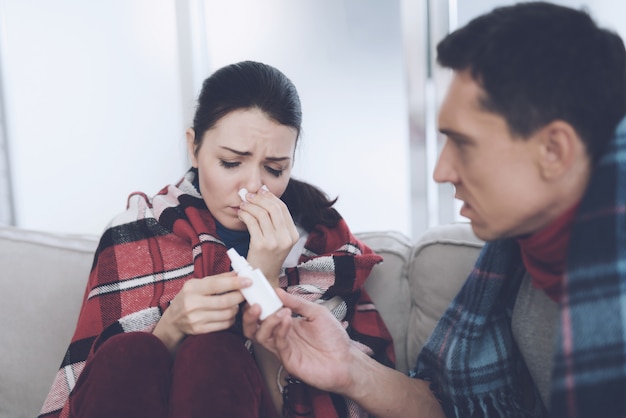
(234, 151)
(248, 153)
(277, 159)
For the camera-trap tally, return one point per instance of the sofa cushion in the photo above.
(388, 286)
(42, 285)
(44, 275)
(417, 281)
(441, 260)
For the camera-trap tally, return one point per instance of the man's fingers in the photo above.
(250, 319)
(280, 331)
(298, 305)
(267, 327)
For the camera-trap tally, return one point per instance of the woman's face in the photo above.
(247, 149)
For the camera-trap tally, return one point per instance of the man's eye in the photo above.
(229, 164)
(274, 172)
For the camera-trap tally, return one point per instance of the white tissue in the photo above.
(242, 194)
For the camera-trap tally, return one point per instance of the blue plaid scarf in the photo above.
(471, 358)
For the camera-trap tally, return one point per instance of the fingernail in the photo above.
(264, 189)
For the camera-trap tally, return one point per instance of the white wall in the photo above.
(93, 107)
(97, 107)
(345, 58)
(98, 95)
(607, 13)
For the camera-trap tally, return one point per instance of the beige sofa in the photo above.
(43, 276)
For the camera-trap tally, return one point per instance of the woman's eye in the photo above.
(229, 164)
(273, 171)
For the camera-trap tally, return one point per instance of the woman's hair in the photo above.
(309, 206)
(254, 85)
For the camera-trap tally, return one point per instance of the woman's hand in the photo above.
(272, 232)
(202, 305)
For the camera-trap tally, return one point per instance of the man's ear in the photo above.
(559, 146)
(191, 146)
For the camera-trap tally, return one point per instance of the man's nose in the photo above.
(444, 171)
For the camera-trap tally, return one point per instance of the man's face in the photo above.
(495, 174)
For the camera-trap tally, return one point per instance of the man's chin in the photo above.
(483, 232)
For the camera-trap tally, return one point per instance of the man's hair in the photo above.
(538, 62)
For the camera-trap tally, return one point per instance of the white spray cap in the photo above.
(239, 263)
(260, 292)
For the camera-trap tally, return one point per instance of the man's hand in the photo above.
(316, 349)
(313, 346)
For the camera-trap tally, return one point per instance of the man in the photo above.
(537, 93)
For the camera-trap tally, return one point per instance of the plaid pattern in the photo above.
(149, 251)
(589, 375)
(471, 359)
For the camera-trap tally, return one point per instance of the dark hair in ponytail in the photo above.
(248, 85)
(309, 206)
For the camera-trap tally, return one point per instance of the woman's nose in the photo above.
(253, 181)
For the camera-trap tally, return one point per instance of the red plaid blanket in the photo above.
(149, 251)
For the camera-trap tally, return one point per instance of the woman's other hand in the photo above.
(272, 232)
(202, 306)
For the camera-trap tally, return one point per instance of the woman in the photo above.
(159, 331)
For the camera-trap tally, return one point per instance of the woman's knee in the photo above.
(131, 368)
(213, 342)
(213, 352)
(133, 349)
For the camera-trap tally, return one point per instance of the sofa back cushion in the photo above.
(442, 259)
(417, 281)
(42, 284)
(43, 277)
(388, 286)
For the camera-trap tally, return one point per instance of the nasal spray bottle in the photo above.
(261, 291)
